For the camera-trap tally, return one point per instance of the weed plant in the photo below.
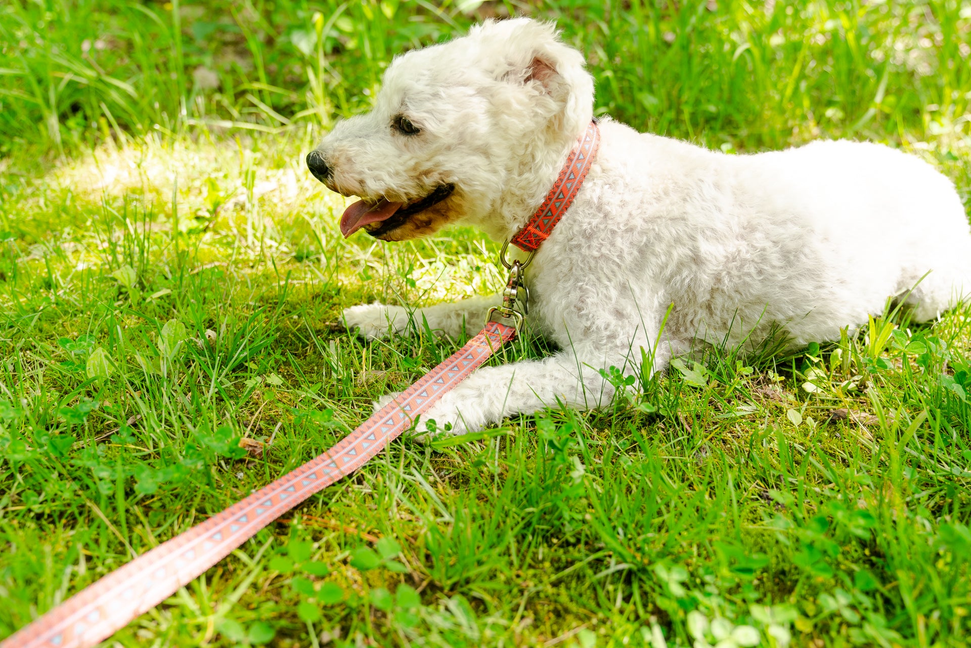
(170, 287)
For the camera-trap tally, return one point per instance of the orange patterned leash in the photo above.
(111, 603)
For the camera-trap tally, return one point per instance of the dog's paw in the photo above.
(445, 422)
(449, 419)
(453, 415)
(375, 321)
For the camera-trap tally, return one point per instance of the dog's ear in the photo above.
(529, 52)
(543, 72)
(528, 55)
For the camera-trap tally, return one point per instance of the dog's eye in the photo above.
(403, 125)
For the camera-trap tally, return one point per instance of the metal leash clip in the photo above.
(515, 297)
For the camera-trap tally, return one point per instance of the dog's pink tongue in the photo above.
(360, 214)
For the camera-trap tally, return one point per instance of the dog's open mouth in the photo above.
(390, 215)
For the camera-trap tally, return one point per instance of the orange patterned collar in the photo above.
(561, 196)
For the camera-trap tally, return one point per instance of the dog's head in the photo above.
(459, 131)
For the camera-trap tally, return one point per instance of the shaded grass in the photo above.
(739, 74)
(173, 291)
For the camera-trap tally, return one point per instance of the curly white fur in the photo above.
(803, 242)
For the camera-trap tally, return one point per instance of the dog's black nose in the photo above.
(317, 166)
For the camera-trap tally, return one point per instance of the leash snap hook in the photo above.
(515, 296)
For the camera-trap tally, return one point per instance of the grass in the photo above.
(171, 281)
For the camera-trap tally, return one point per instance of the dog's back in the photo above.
(811, 239)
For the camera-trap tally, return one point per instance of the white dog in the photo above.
(803, 242)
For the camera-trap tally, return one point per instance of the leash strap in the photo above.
(561, 196)
(111, 603)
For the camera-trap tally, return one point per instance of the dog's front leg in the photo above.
(493, 393)
(375, 321)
